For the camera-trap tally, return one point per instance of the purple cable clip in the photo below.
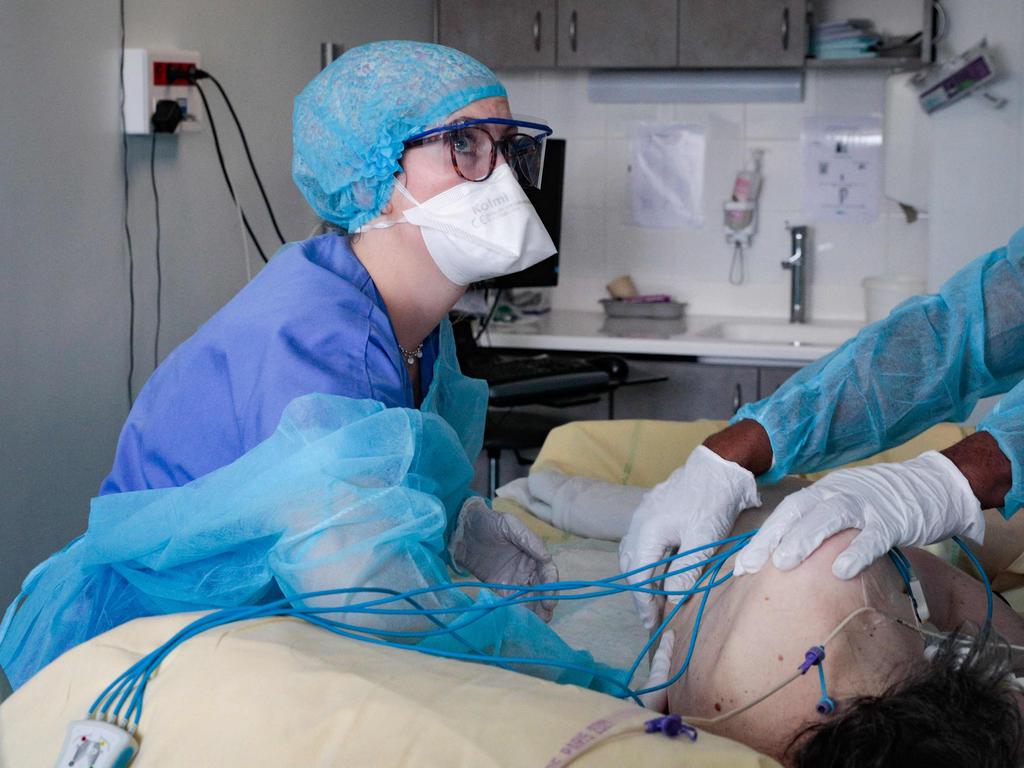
(814, 656)
(671, 726)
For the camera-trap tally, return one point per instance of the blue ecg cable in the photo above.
(984, 580)
(129, 688)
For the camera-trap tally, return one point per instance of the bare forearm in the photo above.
(985, 466)
(745, 443)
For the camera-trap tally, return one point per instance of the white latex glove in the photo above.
(498, 547)
(661, 664)
(696, 505)
(912, 503)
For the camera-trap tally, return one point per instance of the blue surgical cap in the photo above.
(351, 120)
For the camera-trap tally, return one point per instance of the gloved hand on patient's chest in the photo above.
(912, 503)
(499, 548)
(696, 505)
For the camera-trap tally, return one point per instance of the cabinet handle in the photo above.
(737, 398)
(785, 29)
(536, 32)
(572, 31)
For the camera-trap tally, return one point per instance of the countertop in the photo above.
(711, 338)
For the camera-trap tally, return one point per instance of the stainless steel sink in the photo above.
(820, 334)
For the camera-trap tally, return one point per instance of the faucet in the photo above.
(797, 262)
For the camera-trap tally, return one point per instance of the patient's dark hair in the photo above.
(950, 712)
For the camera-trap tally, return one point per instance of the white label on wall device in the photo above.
(666, 175)
(842, 167)
(947, 83)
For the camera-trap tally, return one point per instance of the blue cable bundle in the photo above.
(129, 688)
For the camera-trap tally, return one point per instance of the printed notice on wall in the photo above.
(842, 167)
(666, 175)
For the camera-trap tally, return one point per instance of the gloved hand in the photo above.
(696, 505)
(661, 665)
(497, 547)
(912, 503)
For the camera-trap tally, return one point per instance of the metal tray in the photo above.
(644, 327)
(663, 310)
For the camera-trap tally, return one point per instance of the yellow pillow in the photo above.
(645, 452)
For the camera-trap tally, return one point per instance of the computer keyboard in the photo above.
(534, 375)
(499, 369)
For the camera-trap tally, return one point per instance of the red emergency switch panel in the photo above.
(162, 71)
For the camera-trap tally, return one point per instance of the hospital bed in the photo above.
(279, 692)
(282, 692)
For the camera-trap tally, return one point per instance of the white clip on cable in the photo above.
(917, 594)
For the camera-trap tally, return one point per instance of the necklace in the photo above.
(411, 356)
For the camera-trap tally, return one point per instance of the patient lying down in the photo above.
(893, 706)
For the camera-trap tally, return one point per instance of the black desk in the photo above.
(582, 396)
(525, 430)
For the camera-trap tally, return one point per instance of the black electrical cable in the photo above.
(490, 316)
(127, 229)
(245, 143)
(159, 281)
(224, 168)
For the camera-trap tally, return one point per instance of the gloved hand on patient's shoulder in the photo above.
(696, 505)
(499, 548)
(912, 503)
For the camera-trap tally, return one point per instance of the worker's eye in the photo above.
(465, 141)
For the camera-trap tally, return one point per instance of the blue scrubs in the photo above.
(311, 321)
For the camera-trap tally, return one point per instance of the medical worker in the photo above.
(408, 150)
(930, 360)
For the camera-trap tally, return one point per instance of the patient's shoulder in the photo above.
(813, 578)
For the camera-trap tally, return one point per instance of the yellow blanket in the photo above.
(280, 692)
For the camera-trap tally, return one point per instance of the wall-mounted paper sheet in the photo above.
(666, 175)
(842, 167)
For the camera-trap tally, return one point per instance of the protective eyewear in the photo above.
(473, 146)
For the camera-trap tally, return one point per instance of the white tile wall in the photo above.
(977, 184)
(598, 243)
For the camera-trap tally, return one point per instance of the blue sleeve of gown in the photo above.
(931, 360)
(311, 321)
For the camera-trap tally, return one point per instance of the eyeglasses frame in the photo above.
(436, 134)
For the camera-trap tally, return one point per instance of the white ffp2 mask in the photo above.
(480, 229)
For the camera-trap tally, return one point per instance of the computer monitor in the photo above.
(548, 202)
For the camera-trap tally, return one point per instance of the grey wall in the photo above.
(63, 264)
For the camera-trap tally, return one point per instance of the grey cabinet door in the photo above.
(611, 33)
(693, 391)
(742, 33)
(771, 379)
(503, 35)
